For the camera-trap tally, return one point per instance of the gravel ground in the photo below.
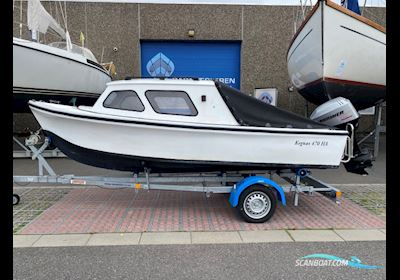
(371, 197)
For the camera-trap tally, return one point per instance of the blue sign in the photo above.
(204, 60)
(266, 97)
(160, 66)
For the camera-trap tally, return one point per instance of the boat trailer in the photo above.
(254, 195)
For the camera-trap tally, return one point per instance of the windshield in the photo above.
(75, 49)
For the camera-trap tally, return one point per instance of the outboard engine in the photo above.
(339, 112)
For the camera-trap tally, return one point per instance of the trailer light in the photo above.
(338, 194)
(78, 182)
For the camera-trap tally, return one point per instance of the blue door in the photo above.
(206, 60)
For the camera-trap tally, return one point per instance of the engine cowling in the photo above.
(338, 112)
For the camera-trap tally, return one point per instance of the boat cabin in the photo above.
(75, 49)
(192, 101)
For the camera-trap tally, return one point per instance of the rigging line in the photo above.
(66, 15)
(49, 30)
(102, 53)
(20, 19)
(62, 14)
(302, 8)
(294, 19)
(298, 17)
(374, 17)
(18, 8)
(362, 12)
(51, 10)
(55, 14)
(86, 35)
(17, 22)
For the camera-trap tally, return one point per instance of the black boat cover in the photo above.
(249, 111)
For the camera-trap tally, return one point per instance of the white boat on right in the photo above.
(337, 52)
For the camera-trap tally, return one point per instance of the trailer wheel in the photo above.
(257, 204)
(15, 199)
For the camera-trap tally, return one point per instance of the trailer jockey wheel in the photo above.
(15, 199)
(257, 204)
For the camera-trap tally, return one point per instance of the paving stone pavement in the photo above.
(95, 210)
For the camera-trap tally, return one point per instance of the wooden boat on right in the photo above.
(337, 52)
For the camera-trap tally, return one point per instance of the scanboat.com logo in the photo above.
(330, 260)
(160, 66)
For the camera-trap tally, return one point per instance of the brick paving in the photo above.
(95, 210)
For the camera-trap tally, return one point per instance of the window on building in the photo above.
(171, 102)
(124, 100)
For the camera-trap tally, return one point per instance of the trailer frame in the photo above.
(235, 183)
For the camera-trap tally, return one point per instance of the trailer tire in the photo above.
(16, 199)
(257, 204)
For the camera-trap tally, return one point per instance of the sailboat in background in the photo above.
(337, 60)
(337, 52)
(60, 72)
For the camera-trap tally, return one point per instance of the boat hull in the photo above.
(159, 165)
(132, 145)
(22, 96)
(361, 96)
(337, 53)
(46, 73)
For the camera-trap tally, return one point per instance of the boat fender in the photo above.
(249, 181)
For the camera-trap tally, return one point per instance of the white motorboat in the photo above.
(187, 125)
(337, 52)
(60, 72)
(51, 73)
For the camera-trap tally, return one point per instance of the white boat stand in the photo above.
(252, 193)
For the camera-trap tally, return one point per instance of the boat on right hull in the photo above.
(337, 52)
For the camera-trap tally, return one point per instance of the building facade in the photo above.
(253, 40)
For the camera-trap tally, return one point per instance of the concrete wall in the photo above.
(265, 32)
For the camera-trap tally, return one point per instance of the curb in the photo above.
(205, 237)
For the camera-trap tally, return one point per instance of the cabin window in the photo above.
(124, 100)
(171, 102)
